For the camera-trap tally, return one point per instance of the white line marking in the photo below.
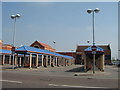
(74, 86)
(10, 81)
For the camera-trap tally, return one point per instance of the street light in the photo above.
(54, 42)
(88, 41)
(93, 11)
(93, 47)
(72, 56)
(72, 52)
(13, 47)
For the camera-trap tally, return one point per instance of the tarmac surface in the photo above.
(59, 77)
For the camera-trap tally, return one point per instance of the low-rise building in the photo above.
(40, 45)
(79, 54)
(5, 46)
(80, 57)
(37, 55)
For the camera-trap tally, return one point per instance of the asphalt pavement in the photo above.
(59, 77)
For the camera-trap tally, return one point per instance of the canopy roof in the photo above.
(89, 49)
(2, 51)
(28, 50)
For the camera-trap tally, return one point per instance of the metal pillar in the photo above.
(93, 63)
(30, 61)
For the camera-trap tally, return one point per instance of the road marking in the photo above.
(75, 86)
(10, 81)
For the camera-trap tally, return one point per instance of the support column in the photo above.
(61, 61)
(46, 60)
(50, 60)
(53, 61)
(16, 60)
(64, 61)
(24, 60)
(85, 56)
(56, 61)
(67, 62)
(42, 60)
(30, 61)
(93, 63)
(36, 60)
(20, 62)
(70, 62)
(10, 59)
(3, 59)
(102, 63)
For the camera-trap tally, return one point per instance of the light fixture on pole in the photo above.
(72, 52)
(13, 46)
(72, 56)
(93, 47)
(54, 42)
(88, 41)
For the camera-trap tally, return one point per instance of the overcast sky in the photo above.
(67, 23)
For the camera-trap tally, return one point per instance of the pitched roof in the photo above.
(27, 49)
(2, 51)
(47, 47)
(32, 50)
(106, 48)
(99, 49)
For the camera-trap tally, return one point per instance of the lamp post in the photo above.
(13, 46)
(88, 41)
(72, 52)
(93, 47)
(72, 56)
(54, 42)
(119, 56)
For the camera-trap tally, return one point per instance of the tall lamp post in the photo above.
(72, 56)
(72, 52)
(119, 56)
(13, 46)
(93, 47)
(54, 42)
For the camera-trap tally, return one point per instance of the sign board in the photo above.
(94, 48)
(13, 48)
(93, 52)
(79, 52)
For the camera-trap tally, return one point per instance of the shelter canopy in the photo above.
(99, 50)
(2, 51)
(28, 50)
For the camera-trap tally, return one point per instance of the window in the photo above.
(36, 46)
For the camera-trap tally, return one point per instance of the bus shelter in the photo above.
(99, 58)
(34, 57)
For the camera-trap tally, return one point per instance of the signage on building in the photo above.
(13, 48)
(93, 52)
(79, 52)
(94, 48)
